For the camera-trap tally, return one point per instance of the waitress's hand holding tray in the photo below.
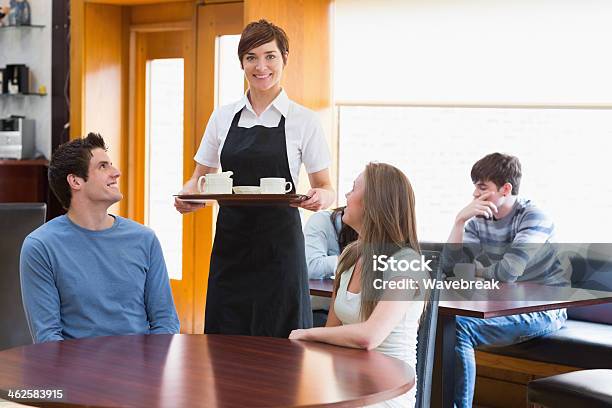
(185, 207)
(313, 202)
(212, 183)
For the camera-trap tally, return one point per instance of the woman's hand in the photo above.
(299, 334)
(320, 198)
(184, 207)
(321, 194)
(191, 187)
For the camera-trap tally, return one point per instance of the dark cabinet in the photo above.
(23, 181)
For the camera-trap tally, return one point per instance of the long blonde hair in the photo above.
(389, 224)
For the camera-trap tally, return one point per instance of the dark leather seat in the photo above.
(578, 389)
(578, 344)
(17, 220)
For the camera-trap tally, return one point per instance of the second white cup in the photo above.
(274, 185)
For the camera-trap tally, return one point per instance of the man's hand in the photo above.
(479, 207)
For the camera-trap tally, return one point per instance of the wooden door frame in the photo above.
(183, 290)
(212, 20)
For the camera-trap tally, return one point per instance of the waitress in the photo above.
(258, 283)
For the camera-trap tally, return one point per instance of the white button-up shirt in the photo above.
(304, 135)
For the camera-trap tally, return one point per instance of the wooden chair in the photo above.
(426, 338)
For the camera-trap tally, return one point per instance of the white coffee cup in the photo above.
(274, 185)
(465, 271)
(215, 185)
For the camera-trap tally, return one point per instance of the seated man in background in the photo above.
(89, 273)
(508, 239)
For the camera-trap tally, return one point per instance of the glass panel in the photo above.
(165, 156)
(229, 84)
(564, 155)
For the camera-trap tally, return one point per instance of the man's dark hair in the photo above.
(72, 157)
(500, 169)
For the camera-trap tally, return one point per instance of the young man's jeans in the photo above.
(498, 331)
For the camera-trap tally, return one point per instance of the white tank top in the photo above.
(401, 343)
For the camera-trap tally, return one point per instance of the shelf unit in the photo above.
(23, 94)
(21, 27)
(13, 27)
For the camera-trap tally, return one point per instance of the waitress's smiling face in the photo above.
(263, 67)
(353, 213)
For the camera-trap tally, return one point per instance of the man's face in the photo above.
(496, 196)
(101, 184)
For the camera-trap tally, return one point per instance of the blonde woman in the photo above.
(380, 208)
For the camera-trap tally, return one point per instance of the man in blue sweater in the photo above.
(508, 239)
(89, 273)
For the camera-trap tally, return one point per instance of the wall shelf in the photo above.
(23, 94)
(26, 27)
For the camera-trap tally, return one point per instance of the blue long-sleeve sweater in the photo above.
(321, 244)
(80, 283)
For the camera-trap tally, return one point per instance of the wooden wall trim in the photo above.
(167, 13)
(77, 62)
(136, 2)
(125, 74)
(161, 27)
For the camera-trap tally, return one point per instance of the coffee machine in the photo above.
(16, 79)
(17, 138)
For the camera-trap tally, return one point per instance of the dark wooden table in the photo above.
(511, 299)
(202, 371)
(321, 287)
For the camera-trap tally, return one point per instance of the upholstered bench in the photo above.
(578, 344)
(578, 389)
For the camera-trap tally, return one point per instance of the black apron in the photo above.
(258, 282)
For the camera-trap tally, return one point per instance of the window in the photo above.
(165, 79)
(564, 155)
(229, 84)
(432, 86)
